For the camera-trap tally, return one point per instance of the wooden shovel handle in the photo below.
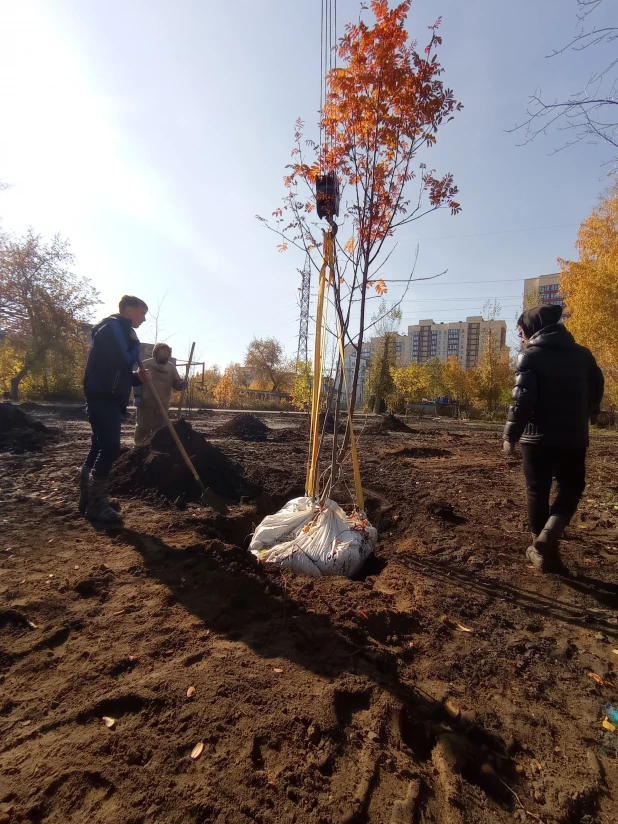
(169, 424)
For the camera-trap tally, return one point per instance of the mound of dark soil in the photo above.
(245, 427)
(327, 422)
(420, 452)
(386, 424)
(293, 435)
(21, 433)
(156, 466)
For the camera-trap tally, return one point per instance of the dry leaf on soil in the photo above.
(452, 710)
(190, 692)
(607, 725)
(108, 721)
(461, 628)
(599, 680)
(277, 669)
(197, 750)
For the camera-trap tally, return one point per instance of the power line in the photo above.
(485, 234)
(469, 298)
(461, 282)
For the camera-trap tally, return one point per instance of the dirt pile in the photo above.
(245, 427)
(290, 435)
(389, 423)
(327, 422)
(156, 466)
(21, 433)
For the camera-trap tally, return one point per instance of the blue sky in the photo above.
(150, 132)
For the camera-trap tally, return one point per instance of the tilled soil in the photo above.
(450, 683)
(20, 432)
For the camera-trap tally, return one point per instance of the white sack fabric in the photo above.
(315, 540)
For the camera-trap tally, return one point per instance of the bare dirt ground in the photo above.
(451, 684)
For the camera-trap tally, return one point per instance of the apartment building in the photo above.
(426, 340)
(465, 340)
(544, 290)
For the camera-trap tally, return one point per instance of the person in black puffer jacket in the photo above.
(108, 380)
(558, 389)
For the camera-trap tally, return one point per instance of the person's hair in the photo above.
(130, 300)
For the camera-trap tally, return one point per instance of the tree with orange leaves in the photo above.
(382, 106)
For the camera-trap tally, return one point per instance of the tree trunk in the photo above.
(16, 381)
(382, 381)
(334, 467)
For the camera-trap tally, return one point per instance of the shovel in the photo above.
(209, 498)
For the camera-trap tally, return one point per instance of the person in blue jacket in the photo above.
(108, 381)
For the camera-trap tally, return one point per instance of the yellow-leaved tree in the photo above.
(410, 383)
(303, 384)
(456, 382)
(225, 392)
(590, 285)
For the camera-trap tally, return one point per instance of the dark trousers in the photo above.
(541, 465)
(105, 416)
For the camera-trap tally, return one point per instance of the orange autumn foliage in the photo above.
(384, 104)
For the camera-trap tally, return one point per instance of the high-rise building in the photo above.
(464, 339)
(544, 291)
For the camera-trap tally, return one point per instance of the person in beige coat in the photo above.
(164, 377)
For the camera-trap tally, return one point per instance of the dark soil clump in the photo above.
(21, 433)
(245, 427)
(444, 512)
(327, 423)
(156, 466)
(294, 435)
(420, 452)
(389, 423)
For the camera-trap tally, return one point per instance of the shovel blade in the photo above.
(211, 499)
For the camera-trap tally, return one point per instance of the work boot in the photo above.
(84, 481)
(544, 553)
(99, 508)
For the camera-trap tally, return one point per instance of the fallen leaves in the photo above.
(197, 750)
(454, 624)
(607, 725)
(277, 670)
(452, 710)
(190, 692)
(598, 680)
(109, 721)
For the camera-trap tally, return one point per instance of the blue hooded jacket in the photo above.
(109, 370)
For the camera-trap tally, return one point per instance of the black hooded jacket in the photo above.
(558, 385)
(109, 370)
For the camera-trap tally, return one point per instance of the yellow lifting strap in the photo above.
(360, 498)
(312, 483)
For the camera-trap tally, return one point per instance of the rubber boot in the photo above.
(84, 482)
(98, 502)
(544, 553)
